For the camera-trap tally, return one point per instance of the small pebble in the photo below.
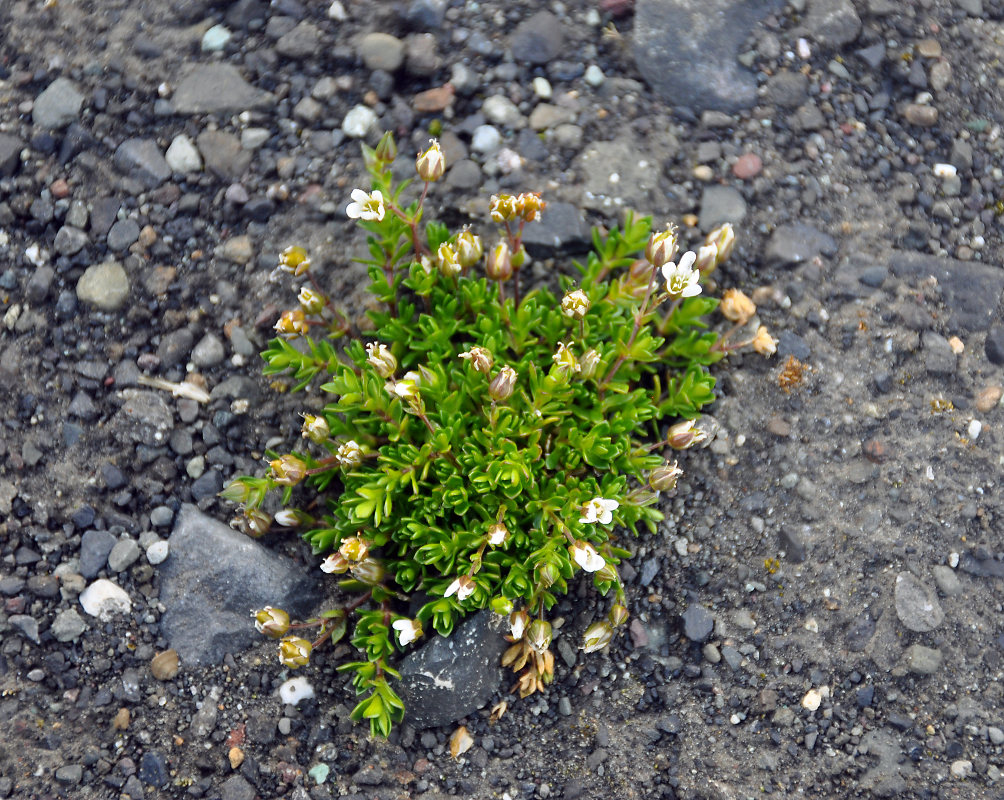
(811, 700)
(164, 665)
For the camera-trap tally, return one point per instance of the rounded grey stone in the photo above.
(123, 555)
(917, 605)
(105, 286)
(381, 51)
(208, 352)
(123, 233)
(67, 625)
(58, 105)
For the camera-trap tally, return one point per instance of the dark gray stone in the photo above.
(994, 346)
(37, 289)
(561, 229)
(939, 358)
(208, 484)
(223, 154)
(797, 243)
(697, 623)
(303, 41)
(425, 14)
(792, 544)
(104, 211)
(144, 418)
(217, 576)
(122, 234)
(922, 660)
(687, 50)
(721, 204)
(175, 347)
(236, 787)
(10, 154)
(538, 39)
(917, 604)
(791, 344)
(448, 678)
(217, 88)
(141, 159)
(70, 241)
(94, 549)
(971, 290)
(788, 89)
(28, 625)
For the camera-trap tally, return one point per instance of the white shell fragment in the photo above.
(102, 599)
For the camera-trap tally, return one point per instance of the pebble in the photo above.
(94, 549)
(105, 286)
(67, 625)
(123, 233)
(103, 599)
(295, 690)
(923, 116)
(747, 166)
(594, 76)
(358, 122)
(721, 204)
(253, 138)
(948, 582)
(123, 555)
(697, 623)
(182, 155)
(223, 155)
(161, 516)
(215, 39)
(70, 241)
(142, 160)
(812, 700)
(164, 666)
(486, 139)
(27, 624)
(381, 51)
(237, 250)
(58, 105)
(962, 769)
(217, 88)
(502, 111)
(538, 39)
(70, 774)
(989, 398)
(542, 87)
(302, 41)
(922, 660)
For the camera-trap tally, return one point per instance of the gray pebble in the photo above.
(70, 241)
(70, 774)
(948, 582)
(123, 555)
(697, 623)
(721, 204)
(486, 139)
(381, 51)
(922, 660)
(141, 159)
(157, 552)
(105, 286)
(939, 358)
(122, 234)
(94, 549)
(208, 352)
(67, 625)
(28, 625)
(58, 105)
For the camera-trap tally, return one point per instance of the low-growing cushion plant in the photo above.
(483, 439)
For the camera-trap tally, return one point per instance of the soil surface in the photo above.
(821, 613)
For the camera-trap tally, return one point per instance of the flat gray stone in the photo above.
(623, 171)
(123, 555)
(141, 159)
(939, 358)
(144, 418)
(721, 204)
(538, 39)
(797, 243)
(971, 290)
(223, 154)
(217, 576)
(304, 40)
(687, 49)
(448, 678)
(67, 625)
(381, 51)
(560, 229)
(122, 234)
(697, 623)
(105, 286)
(58, 105)
(917, 604)
(922, 660)
(833, 22)
(217, 89)
(10, 154)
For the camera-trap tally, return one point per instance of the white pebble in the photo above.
(486, 139)
(336, 11)
(358, 121)
(103, 598)
(295, 690)
(182, 156)
(953, 560)
(804, 51)
(542, 88)
(975, 427)
(36, 255)
(594, 76)
(945, 170)
(157, 552)
(215, 39)
(811, 700)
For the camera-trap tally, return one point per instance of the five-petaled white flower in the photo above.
(367, 207)
(408, 630)
(463, 587)
(585, 555)
(599, 510)
(682, 280)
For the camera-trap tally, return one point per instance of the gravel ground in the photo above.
(821, 613)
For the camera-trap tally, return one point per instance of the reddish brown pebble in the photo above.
(747, 166)
(60, 189)
(875, 451)
(988, 398)
(432, 101)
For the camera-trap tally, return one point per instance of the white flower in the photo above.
(480, 358)
(564, 359)
(599, 510)
(349, 454)
(497, 534)
(682, 280)
(463, 587)
(406, 389)
(336, 564)
(585, 555)
(575, 304)
(287, 518)
(517, 623)
(408, 630)
(366, 206)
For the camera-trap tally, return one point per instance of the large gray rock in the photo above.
(971, 290)
(217, 88)
(687, 50)
(58, 105)
(560, 229)
(212, 580)
(448, 678)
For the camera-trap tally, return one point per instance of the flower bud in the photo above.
(548, 575)
(462, 586)
(273, 622)
(354, 548)
(588, 364)
(480, 358)
(517, 623)
(315, 429)
(575, 304)
(294, 652)
(564, 361)
(447, 258)
(498, 267)
(469, 249)
(618, 615)
(291, 323)
(335, 564)
(764, 343)
(288, 518)
(538, 635)
(369, 571)
(386, 149)
(663, 478)
(661, 247)
(736, 307)
(519, 258)
(349, 454)
(236, 492)
(707, 259)
(288, 470)
(294, 259)
(723, 238)
(502, 386)
(529, 205)
(431, 165)
(503, 207)
(381, 358)
(597, 636)
(311, 302)
(256, 523)
(607, 574)
(684, 435)
(498, 534)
